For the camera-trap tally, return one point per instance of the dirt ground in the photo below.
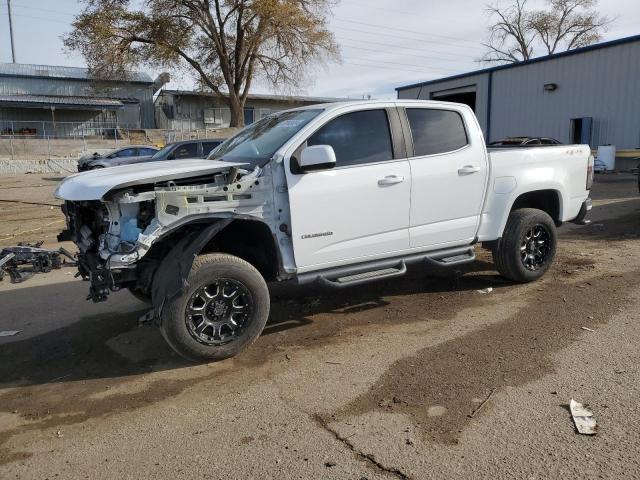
(419, 377)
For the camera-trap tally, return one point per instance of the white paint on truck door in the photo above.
(449, 175)
(360, 208)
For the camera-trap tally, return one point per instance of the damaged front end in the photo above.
(124, 235)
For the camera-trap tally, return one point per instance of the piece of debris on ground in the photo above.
(9, 333)
(20, 262)
(583, 418)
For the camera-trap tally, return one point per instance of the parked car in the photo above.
(123, 152)
(338, 195)
(173, 151)
(524, 141)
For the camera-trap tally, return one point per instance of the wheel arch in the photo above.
(164, 270)
(246, 237)
(547, 200)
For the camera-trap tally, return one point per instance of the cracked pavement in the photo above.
(375, 382)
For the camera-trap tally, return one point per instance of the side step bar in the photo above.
(362, 273)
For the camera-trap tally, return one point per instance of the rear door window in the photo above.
(187, 150)
(356, 138)
(127, 152)
(436, 131)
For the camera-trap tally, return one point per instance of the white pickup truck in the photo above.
(339, 194)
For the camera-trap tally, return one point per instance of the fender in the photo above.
(170, 279)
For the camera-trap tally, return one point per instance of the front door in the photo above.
(359, 210)
(448, 172)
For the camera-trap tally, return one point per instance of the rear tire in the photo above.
(222, 312)
(528, 246)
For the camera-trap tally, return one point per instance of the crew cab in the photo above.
(337, 194)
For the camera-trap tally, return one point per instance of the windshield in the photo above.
(257, 143)
(162, 153)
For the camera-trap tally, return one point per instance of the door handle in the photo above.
(468, 170)
(390, 180)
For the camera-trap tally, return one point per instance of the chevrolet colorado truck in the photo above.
(338, 194)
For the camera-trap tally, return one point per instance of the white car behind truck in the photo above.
(338, 194)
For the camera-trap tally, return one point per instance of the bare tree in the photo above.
(511, 36)
(564, 24)
(569, 24)
(225, 44)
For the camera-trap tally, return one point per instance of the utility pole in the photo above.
(13, 50)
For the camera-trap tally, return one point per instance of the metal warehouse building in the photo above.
(588, 95)
(59, 101)
(180, 109)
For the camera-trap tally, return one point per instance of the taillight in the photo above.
(590, 166)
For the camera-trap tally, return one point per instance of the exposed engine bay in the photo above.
(118, 237)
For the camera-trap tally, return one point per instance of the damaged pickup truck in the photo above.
(337, 194)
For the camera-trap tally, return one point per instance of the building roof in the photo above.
(54, 71)
(597, 46)
(45, 101)
(257, 96)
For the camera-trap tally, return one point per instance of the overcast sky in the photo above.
(385, 43)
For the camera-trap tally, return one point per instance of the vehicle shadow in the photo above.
(61, 342)
(617, 221)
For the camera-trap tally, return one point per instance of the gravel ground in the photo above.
(420, 377)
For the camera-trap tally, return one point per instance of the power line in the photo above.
(369, 6)
(392, 69)
(404, 30)
(401, 37)
(429, 58)
(39, 18)
(393, 45)
(386, 62)
(367, 62)
(57, 12)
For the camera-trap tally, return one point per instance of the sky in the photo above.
(384, 43)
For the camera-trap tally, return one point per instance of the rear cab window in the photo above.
(436, 131)
(357, 137)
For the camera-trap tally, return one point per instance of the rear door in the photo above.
(358, 210)
(449, 172)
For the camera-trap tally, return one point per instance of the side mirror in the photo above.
(171, 156)
(317, 157)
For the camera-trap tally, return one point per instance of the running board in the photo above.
(466, 257)
(364, 277)
(342, 277)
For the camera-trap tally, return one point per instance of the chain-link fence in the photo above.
(35, 141)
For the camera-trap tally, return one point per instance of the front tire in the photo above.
(222, 312)
(528, 246)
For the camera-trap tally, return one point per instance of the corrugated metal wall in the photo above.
(134, 116)
(603, 84)
(480, 82)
